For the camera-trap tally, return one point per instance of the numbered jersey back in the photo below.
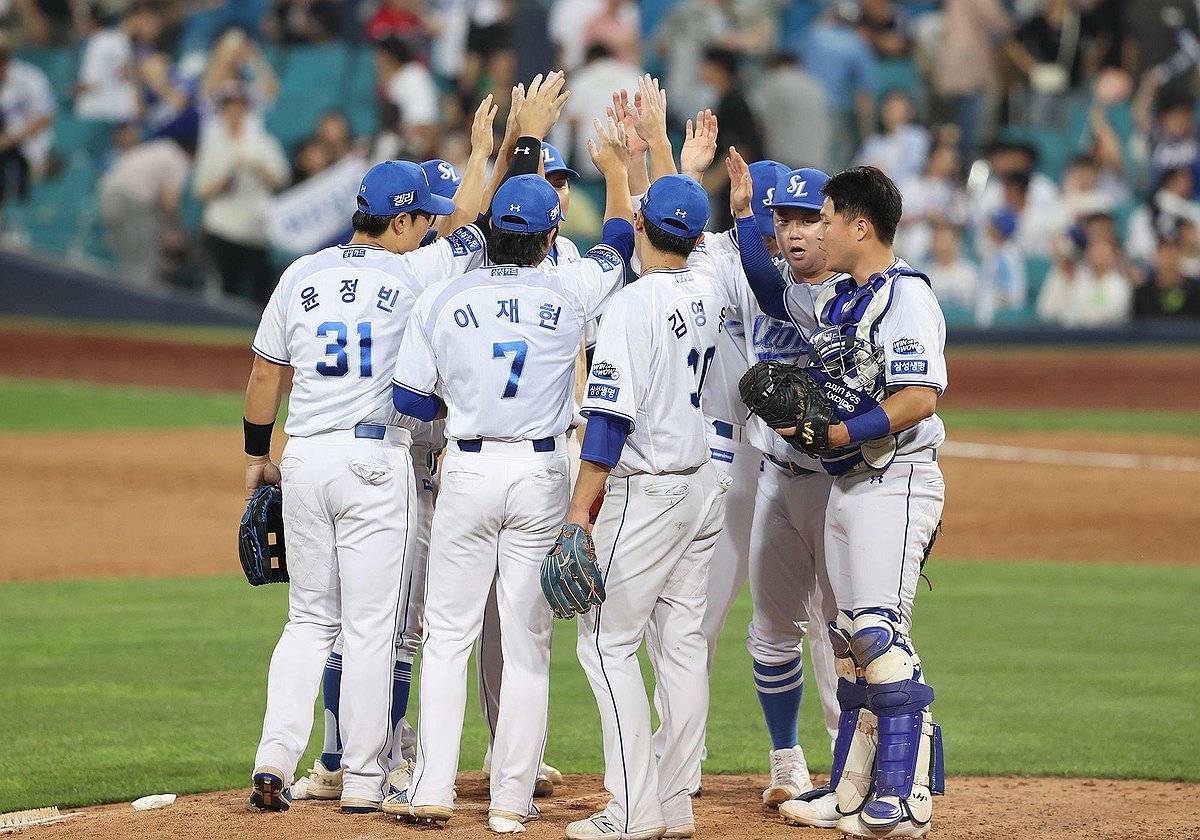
(658, 340)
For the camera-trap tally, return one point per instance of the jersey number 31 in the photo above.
(340, 366)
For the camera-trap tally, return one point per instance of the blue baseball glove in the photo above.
(571, 579)
(263, 558)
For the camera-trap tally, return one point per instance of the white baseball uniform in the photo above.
(499, 344)
(655, 535)
(337, 317)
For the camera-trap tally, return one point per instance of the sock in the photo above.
(401, 685)
(331, 688)
(780, 689)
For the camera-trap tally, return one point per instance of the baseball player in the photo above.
(337, 317)
(879, 356)
(324, 778)
(659, 522)
(499, 346)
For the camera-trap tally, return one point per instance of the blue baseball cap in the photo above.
(765, 174)
(442, 176)
(676, 204)
(553, 161)
(398, 186)
(1005, 220)
(800, 188)
(526, 204)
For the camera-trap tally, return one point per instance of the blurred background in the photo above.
(1046, 149)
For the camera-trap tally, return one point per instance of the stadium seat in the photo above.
(60, 64)
(358, 97)
(62, 208)
(1037, 269)
(309, 84)
(901, 74)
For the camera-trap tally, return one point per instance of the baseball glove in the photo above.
(263, 558)
(571, 579)
(786, 395)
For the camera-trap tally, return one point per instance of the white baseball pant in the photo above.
(347, 513)
(654, 539)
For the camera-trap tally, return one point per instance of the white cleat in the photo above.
(681, 832)
(789, 777)
(600, 827)
(551, 773)
(505, 822)
(854, 826)
(401, 777)
(819, 812)
(320, 783)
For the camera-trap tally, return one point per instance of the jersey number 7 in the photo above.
(500, 349)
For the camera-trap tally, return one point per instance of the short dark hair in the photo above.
(865, 191)
(506, 247)
(376, 225)
(671, 243)
(399, 50)
(727, 60)
(597, 52)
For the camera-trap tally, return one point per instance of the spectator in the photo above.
(1167, 292)
(737, 125)
(566, 32)
(1160, 218)
(139, 198)
(409, 87)
(237, 60)
(1083, 194)
(955, 278)
(405, 20)
(964, 72)
(489, 53)
(1003, 284)
(167, 97)
(794, 114)
(106, 90)
(239, 166)
(902, 147)
(27, 111)
(303, 21)
(936, 195)
(47, 22)
(1032, 195)
(1047, 50)
(591, 95)
(883, 24)
(617, 26)
(1153, 32)
(1172, 137)
(333, 132)
(1092, 291)
(837, 56)
(312, 158)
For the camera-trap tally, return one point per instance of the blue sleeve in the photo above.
(604, 439)
(766, 282)
(415, 404)
(618, 235)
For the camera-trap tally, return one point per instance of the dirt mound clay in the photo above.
(975, 809)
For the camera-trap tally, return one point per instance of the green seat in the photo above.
(60, 64)
(900, 74)
(310, 83)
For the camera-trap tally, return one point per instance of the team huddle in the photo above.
(609, 426)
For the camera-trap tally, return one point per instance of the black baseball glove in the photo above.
(786, 395)
(571, 579)
(260, 538)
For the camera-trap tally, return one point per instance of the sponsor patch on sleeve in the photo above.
(600, 391)
(902, 367)
(464, 241)
(606, 257)
(605, 370)
(907, 347)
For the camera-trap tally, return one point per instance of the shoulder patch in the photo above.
(900, 367)
(605, 370)
(606, 257)
(907, 347)
(463, 241)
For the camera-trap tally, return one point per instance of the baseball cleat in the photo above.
(269, 792)
(551, 773)
(854, 826)
(355, 805)
(319, 783)
(543, 786)
(817, 809)
(789, 777)
(682, 831)
(600, 827)
(401, 776)
(506, 822)
(399, 805)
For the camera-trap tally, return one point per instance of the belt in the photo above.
(925, 456)
(794, 469)
(374, 431)
(728, 430)
(546, 444)
(397, 435)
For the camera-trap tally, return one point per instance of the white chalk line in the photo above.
(1063, 457)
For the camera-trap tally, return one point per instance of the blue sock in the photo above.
(401, 684)
(331, 688)
(780, 689)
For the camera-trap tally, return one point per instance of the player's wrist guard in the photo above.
(257, 437)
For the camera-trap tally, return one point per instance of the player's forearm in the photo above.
(592, 477)
(468, 200)
(767, 284)
(639, 181)
(902, 410)
(617, 202)
(264, 391)
(662, 159)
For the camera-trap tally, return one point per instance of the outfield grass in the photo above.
(114, 689)
(51, 406)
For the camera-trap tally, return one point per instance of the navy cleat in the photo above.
(269, 792)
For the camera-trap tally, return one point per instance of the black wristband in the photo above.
(527, 154)
(258, 437)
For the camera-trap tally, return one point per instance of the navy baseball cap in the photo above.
(765, 174)
(526, 204)
(398, 186)
(800, 188)
(442, 176)
(676, 204)
(553, 161)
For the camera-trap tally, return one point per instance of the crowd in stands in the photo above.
(1047, 150)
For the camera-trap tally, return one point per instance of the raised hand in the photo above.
(609, 150)
(481, 128)
(622, 112)
(543, 104)
(511, 130)
(741, 187)
(650, 111)
(699, 145)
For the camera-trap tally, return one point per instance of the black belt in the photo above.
(545, 444)
(789, 466)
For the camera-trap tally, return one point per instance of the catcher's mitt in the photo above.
(260, 538)
(571, 579)
(786, 395)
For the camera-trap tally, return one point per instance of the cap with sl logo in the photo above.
(553, 161)
(765, 174)
(676, 204)
(800, 188)
(399, 186)
(442, 176)
(526, 204)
